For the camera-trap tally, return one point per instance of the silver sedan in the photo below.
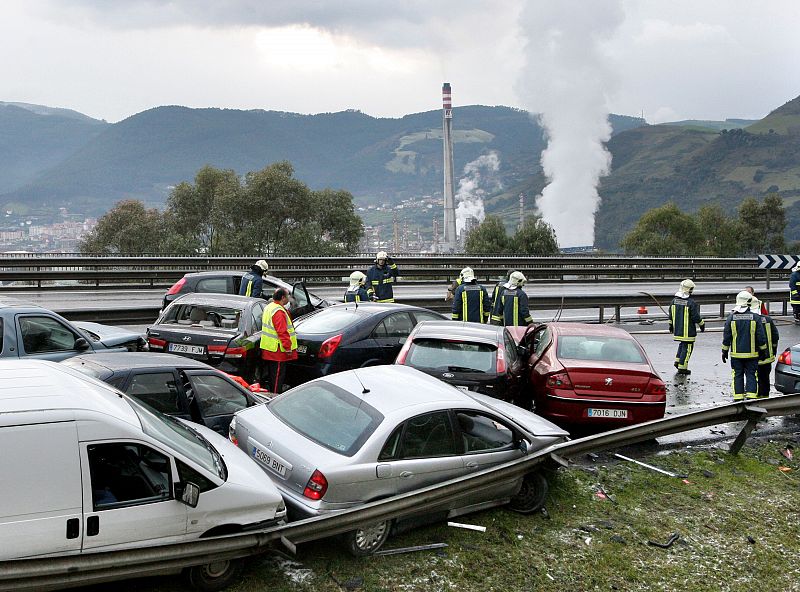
(362, 435)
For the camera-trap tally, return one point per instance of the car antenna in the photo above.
(366, 390)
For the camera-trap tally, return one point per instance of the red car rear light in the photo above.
(156, 343)
(217, 350)
(785, 357)
(501, 360)
(176, 287)
(228, 352)
(329, 347)
(656, 387)
(560, 380)
(401, 357)
(317, 486)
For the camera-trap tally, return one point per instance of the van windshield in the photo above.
(178, 436)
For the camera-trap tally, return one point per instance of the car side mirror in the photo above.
(187, 493)
(81, 344)
(524, 446)
(523, 352)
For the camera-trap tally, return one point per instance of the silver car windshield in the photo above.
(172, 433)
(328, 415)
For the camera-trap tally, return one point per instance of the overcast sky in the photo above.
(675, 59)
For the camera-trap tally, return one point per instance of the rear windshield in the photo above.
(88, 368)
(606, 349)
(202, 315)
(328, 320)
(328, 415)
(453, 356)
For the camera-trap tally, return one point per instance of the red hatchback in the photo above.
(587, 375)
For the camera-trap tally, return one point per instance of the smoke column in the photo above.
(478, 180)
(567, 79)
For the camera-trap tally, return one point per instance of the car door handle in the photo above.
(92, 526)
(472, 465)
(406, 474)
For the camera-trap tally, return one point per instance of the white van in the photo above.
(84, 468)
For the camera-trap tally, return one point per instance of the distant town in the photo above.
(40, 235)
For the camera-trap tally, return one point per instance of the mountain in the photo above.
(377, 159)
(34, 138)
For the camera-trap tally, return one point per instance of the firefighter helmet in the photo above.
(262, 264)
(687, 285)
(357, 278)
(467, 275)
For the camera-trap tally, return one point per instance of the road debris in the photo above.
(708, 474)
(673, 537)
(751, 540)
(787, 452)
(646, 466)
(618, 539)
(415, 548)
(467, 526)
(784, 469)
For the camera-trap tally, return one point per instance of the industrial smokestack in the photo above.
(450, 239)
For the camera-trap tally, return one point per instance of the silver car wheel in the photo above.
(365, 541)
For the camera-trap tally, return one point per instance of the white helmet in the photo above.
(467, 274)
(687, 285)
(796, 266)
(262, 264)
(357, 278)
(755, 305)
(381, 255)
(517, 279)
(744, 299)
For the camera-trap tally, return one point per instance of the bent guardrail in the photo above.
(79, 570)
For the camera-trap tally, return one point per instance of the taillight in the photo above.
(176, 287)
(785, 357)
(501, 360)
(401, 357)
(156, 343)
(559, 381)
(656, 387)
(329, 346)
(316, 487)
(217, 350)
(228, 352)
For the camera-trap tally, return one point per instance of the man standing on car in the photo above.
(684, 318)
(278, 340)
(746, 341)
(470, 301)
(252, 281)
(380, 278)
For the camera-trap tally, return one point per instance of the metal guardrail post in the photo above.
(617, 313)
(754, 414)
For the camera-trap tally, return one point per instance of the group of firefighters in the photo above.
(749, 339)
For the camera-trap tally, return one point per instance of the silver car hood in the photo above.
(108, 335)
(538, 426)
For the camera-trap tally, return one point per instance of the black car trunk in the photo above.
(199, 343)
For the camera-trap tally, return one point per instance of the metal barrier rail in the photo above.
(92, 568)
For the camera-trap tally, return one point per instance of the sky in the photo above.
(666, 60)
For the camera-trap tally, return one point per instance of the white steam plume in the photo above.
(567, 79)
(478, 180)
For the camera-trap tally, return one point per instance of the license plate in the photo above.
(610, 413)
(301, 349)
(270, 461)
(462, 387)
(182, 348)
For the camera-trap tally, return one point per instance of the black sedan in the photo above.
(228, 282)
(347, 336)
(176, 386)
(221, 330)
(470, 356)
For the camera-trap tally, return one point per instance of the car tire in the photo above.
(531, 496)
(215, 576)
(363, 542)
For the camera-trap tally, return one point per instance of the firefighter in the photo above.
(512, 304)
(356, 292)
(380, 278)
(471, 300)
(498, 290)
(252, 281)
(684, 318)
(794, 292)
(746, 341)
(771, 333)
(278, 339)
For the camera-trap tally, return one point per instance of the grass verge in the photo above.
(736, 517)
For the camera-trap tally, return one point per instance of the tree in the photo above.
(488, 238)
(126, 229)
(761, 225)
(717, 232)
(664, 231)
(536, 237)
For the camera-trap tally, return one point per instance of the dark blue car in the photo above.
(352, 335)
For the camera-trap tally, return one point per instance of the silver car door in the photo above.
(487, 441)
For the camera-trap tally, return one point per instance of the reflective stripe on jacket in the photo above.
(744, 335)
(771, 332)
(380, 280)
(471, 303)
(512, 310)
(684, 314)
(270, 339)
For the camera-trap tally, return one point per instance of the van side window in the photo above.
(188, 474)
(127, 474)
